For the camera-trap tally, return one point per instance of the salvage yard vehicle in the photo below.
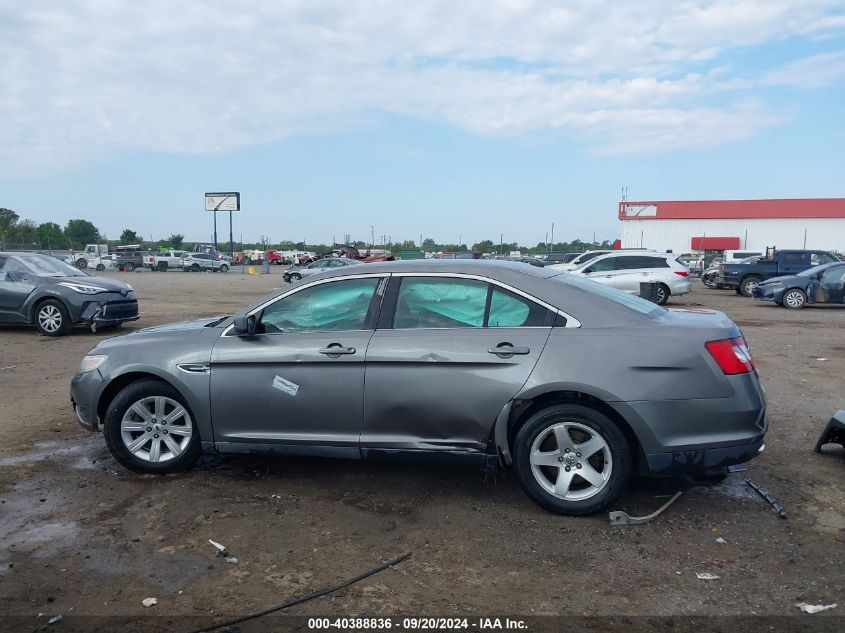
(163, 262)
(53, 295)
(458, 361)
(821, 284)
(579, 261)
(625, 270)
(197, 262)
(295, 273)
(744, 277)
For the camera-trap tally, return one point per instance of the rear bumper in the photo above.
(702, 460)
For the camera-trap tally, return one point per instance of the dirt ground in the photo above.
(80, 536)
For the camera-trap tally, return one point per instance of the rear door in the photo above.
(450, 351)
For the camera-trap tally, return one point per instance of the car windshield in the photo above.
(45, 266)
(817, 269)
(586, 257)
(630, 301)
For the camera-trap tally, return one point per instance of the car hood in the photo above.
(180, 326)
(104, 282)
(782, 279)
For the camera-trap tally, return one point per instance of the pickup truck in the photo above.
(165, 261)
(127, 261)
(745, 277)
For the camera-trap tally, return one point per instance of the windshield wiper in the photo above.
(217, 321)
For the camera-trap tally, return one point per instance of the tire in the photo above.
(794, 299)
(100, 267)
(224, 268)
(662, 295)
(82, 263)
(612, 457)
(294, 277)
(129, 267)
(747, 285)
(162, 267)
(247, 261)
(124, 425)
(52, 318)
(195, 267)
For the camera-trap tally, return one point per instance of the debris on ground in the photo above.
(622, 518)
(721, 541)
(221, 549)
(706, 576)
(815, 608)
(834, 432)
(148, 602)
(55, 620)
(232, 560)
(769, 499)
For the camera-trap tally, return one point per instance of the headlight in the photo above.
(90, 363)
(85, 289)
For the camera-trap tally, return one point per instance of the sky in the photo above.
(453, 120)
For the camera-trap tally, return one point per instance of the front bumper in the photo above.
(85, 390)
(109, 312)
(768, 293)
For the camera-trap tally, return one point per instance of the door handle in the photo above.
(336, 349)
(506, 350)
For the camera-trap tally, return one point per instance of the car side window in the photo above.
(510, 310)
(633, 262)
(430, 302)
(336, 306)
(794, 259)
(658, 262)
(817, 259)
(603, 265)
(831, 277)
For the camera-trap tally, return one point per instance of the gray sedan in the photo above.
(54, 296)
(295, 273)
(574, 385)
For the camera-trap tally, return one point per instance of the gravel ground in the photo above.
(83, 537)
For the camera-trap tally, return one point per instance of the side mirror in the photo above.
(588, 270)
(245, 325)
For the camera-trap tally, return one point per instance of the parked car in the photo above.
(465, 361)
(53, 295)
(745, 277)
(526, 259)
(295, 273)
(580, 260)
(821, 284)
(104, 262)
(166, 261)
(558, 257)
(627, 270)
(128, 261)
(197, 262)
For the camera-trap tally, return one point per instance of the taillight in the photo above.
(732, 355)
(682, 273)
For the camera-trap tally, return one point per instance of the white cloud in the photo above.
(87, 78)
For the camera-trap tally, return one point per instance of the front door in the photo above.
(830, 288)
(16, 284)
(450, 352)
(297, 385)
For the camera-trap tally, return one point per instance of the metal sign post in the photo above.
(223, 201)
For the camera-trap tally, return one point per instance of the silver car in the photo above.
(450, 360)
(295, 273)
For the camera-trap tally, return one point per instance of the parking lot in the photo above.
(84, 537)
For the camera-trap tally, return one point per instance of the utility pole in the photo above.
(553, 236)
(501, 243)
(372, 236)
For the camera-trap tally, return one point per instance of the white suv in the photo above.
(627, 270)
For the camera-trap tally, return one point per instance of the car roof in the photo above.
(465, 266)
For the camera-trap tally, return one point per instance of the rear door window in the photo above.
(794, 259)
(431, 302)
(510, 310)
(633, 262)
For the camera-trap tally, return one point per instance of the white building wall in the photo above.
(676, 235)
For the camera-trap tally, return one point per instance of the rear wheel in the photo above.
(247, 261)
(571, 459)
(129, 267)
(100, 267)
(747, 285)
(82, 263)
(794, 298)
(662, 294)
(295, 277)
(149, 429)
(162, 266)
(224, 268)
(52, 318)
(195, 267)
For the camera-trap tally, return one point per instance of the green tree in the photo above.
(176, 240)
(81, 232)
(50, 236)
(429, 244)
(408, 245)
(485, 246)
(24, 233)
(8, 219)
(129, 237)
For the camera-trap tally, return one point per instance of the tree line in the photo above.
(26, 235)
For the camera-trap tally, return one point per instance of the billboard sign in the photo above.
(223, 201)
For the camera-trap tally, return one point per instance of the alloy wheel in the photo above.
(571, 461)
(156, 429)
(794, 299)
(50, 319)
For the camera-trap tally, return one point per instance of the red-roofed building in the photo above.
(716, 225)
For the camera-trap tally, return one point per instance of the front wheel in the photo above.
(129, 267)
(149, 429)
(224, 268)
(746, 288)
(82, 263)
(571, 459)
(294, 277)
(52, 318)
(794, 298)
(100, 268)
